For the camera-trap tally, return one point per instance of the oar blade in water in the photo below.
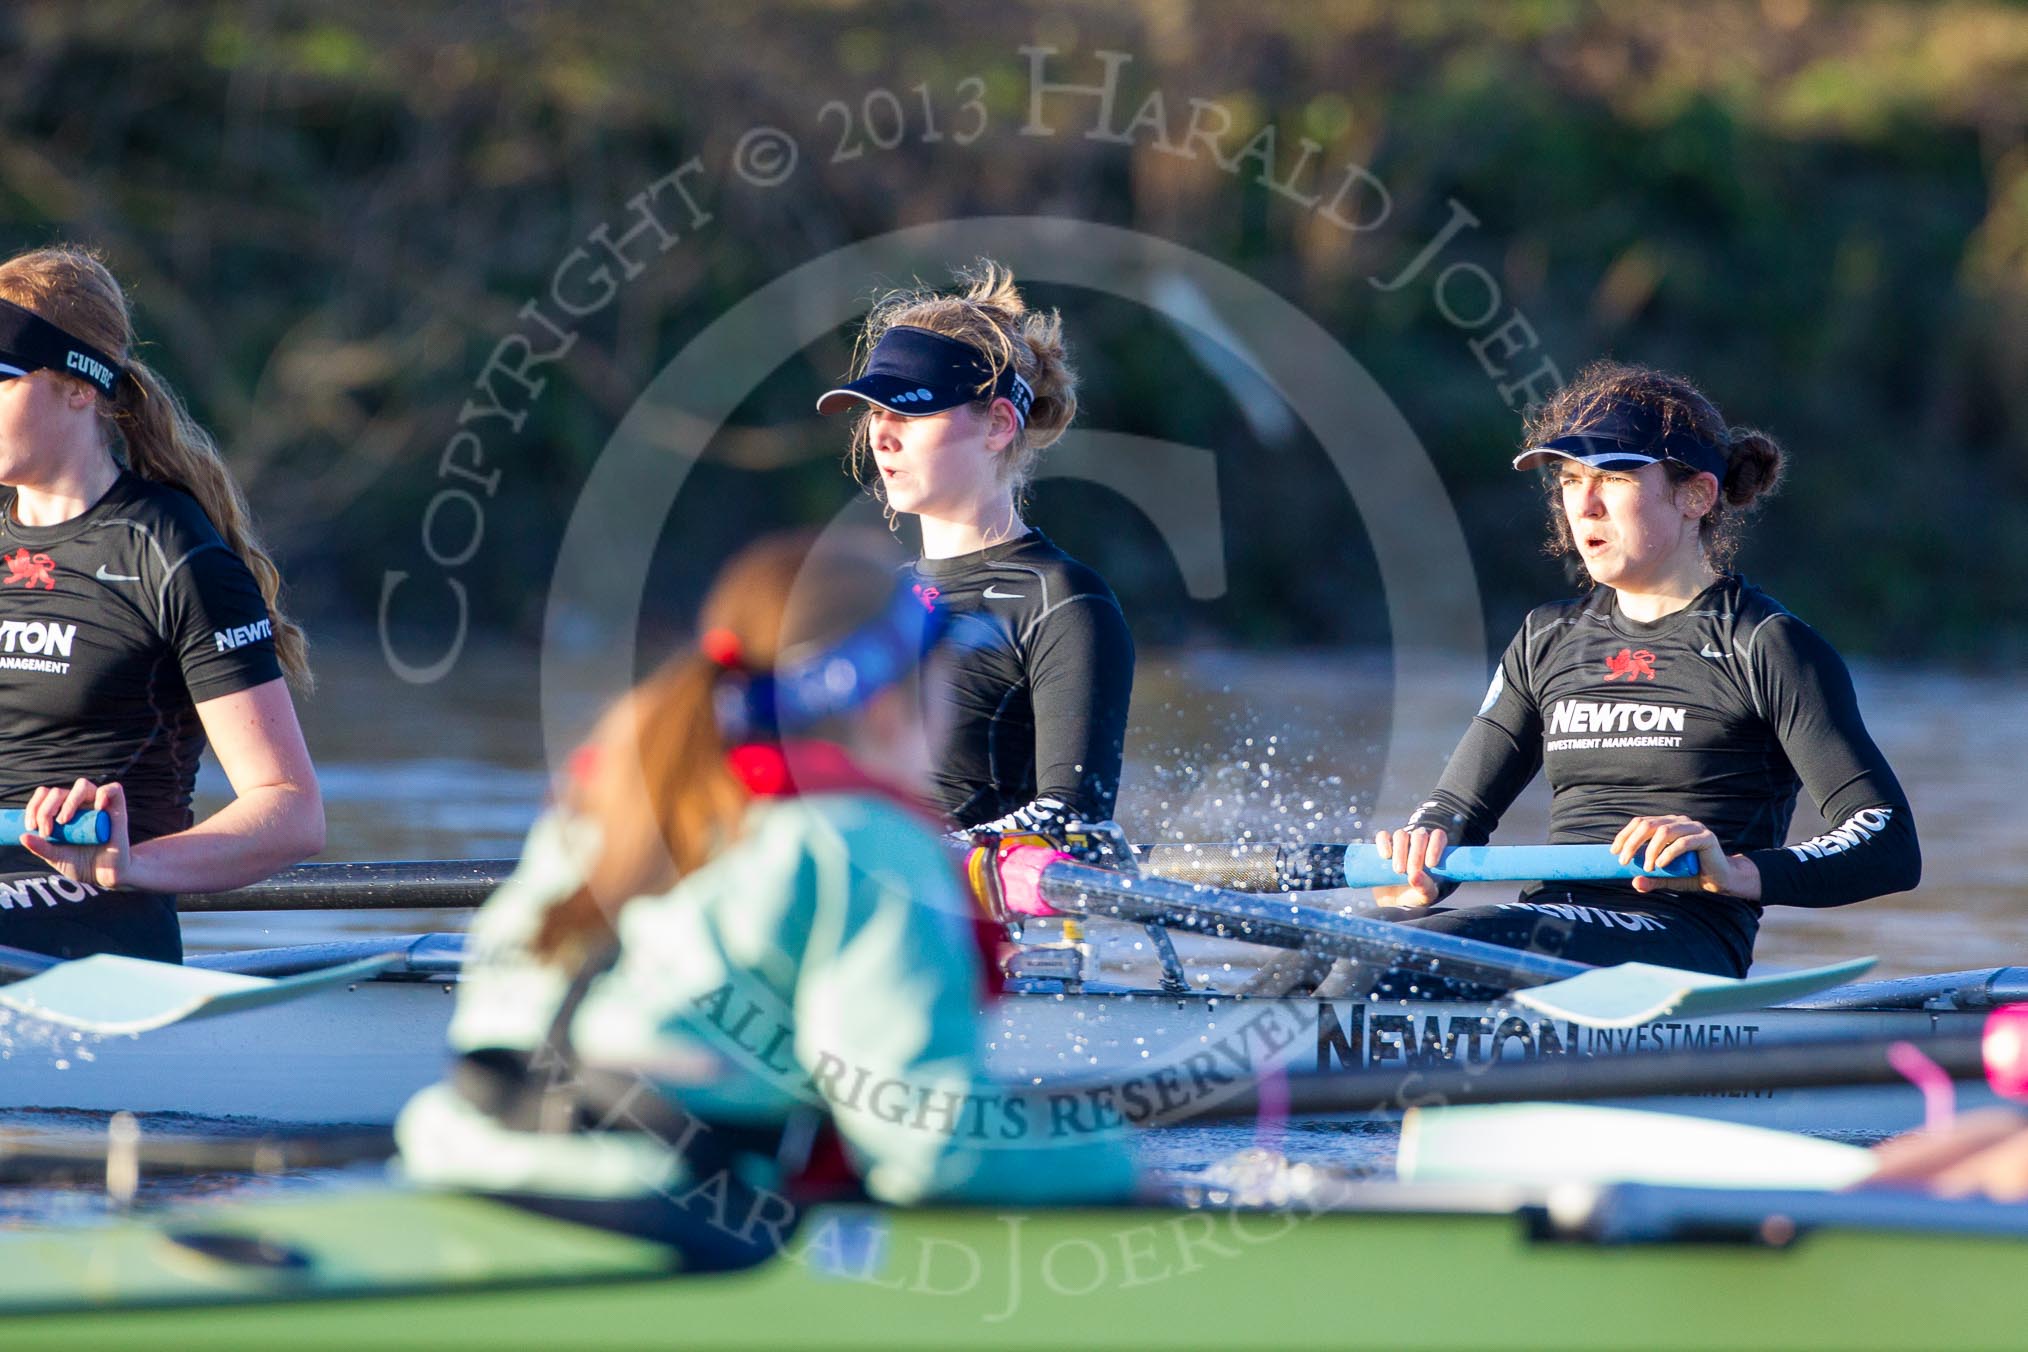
(1638, 992)
(1543, 1144)
(107, 993)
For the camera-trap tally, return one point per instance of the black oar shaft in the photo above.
(52, 1159)
(1248, 866)
(1816, 1064)
(452, 884)
(1277, 923)
(446, 884)
(422, 885)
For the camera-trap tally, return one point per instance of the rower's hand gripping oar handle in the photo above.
(89, 827)
(1514, 863)
(1252, 867)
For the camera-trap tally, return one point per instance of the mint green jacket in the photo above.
(823, 961)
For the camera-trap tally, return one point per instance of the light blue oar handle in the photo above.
(1513, 863)
(89, 827)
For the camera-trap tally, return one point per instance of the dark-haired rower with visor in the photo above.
(1676, 708)
(957, 396)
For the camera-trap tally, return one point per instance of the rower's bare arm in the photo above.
(276, 816)
(1983, 1153)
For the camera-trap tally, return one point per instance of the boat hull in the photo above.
(387, 1268)
(355, 1055)
(344, 1056)
(1176, 1050)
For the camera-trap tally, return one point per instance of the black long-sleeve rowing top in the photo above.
(1041, 670)
(1721, 712)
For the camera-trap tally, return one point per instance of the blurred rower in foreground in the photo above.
(738, 943)
(1982, 1154)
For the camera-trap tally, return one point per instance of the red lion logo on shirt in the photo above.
(1630, 663)
(29, 569)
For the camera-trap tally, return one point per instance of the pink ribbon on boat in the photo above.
(1939, 1096)
(1273, 1114)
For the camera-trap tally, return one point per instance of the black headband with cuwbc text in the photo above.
(28, 342)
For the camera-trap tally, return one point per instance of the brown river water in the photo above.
(1223, 746)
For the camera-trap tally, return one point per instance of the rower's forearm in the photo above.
(1872, 851)
(257, 834)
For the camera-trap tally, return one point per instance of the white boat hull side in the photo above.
(355, 1055)
(351, 1055)
(1187, 1048)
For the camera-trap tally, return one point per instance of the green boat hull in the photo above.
(388, 1268)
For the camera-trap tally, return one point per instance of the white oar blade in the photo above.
(1543, 1144)
(107, 993)
(1637, 992)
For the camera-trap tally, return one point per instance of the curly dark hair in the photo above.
(1754, 460)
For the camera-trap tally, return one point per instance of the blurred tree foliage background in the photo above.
(329, 216)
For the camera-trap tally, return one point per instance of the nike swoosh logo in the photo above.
(104, 576)
(992, 595)
(1707, 651)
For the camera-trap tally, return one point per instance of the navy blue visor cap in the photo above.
(913, 372)
(1626, 436)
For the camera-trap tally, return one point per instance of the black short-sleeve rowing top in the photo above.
(114, 625)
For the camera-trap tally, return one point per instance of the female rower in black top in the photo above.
(958, 394)
(138, 620)
(1676, 708)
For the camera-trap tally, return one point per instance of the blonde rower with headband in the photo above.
(957, 395)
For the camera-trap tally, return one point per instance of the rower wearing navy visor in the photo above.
(139, 621)
(1676, 708)
(957, 396)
